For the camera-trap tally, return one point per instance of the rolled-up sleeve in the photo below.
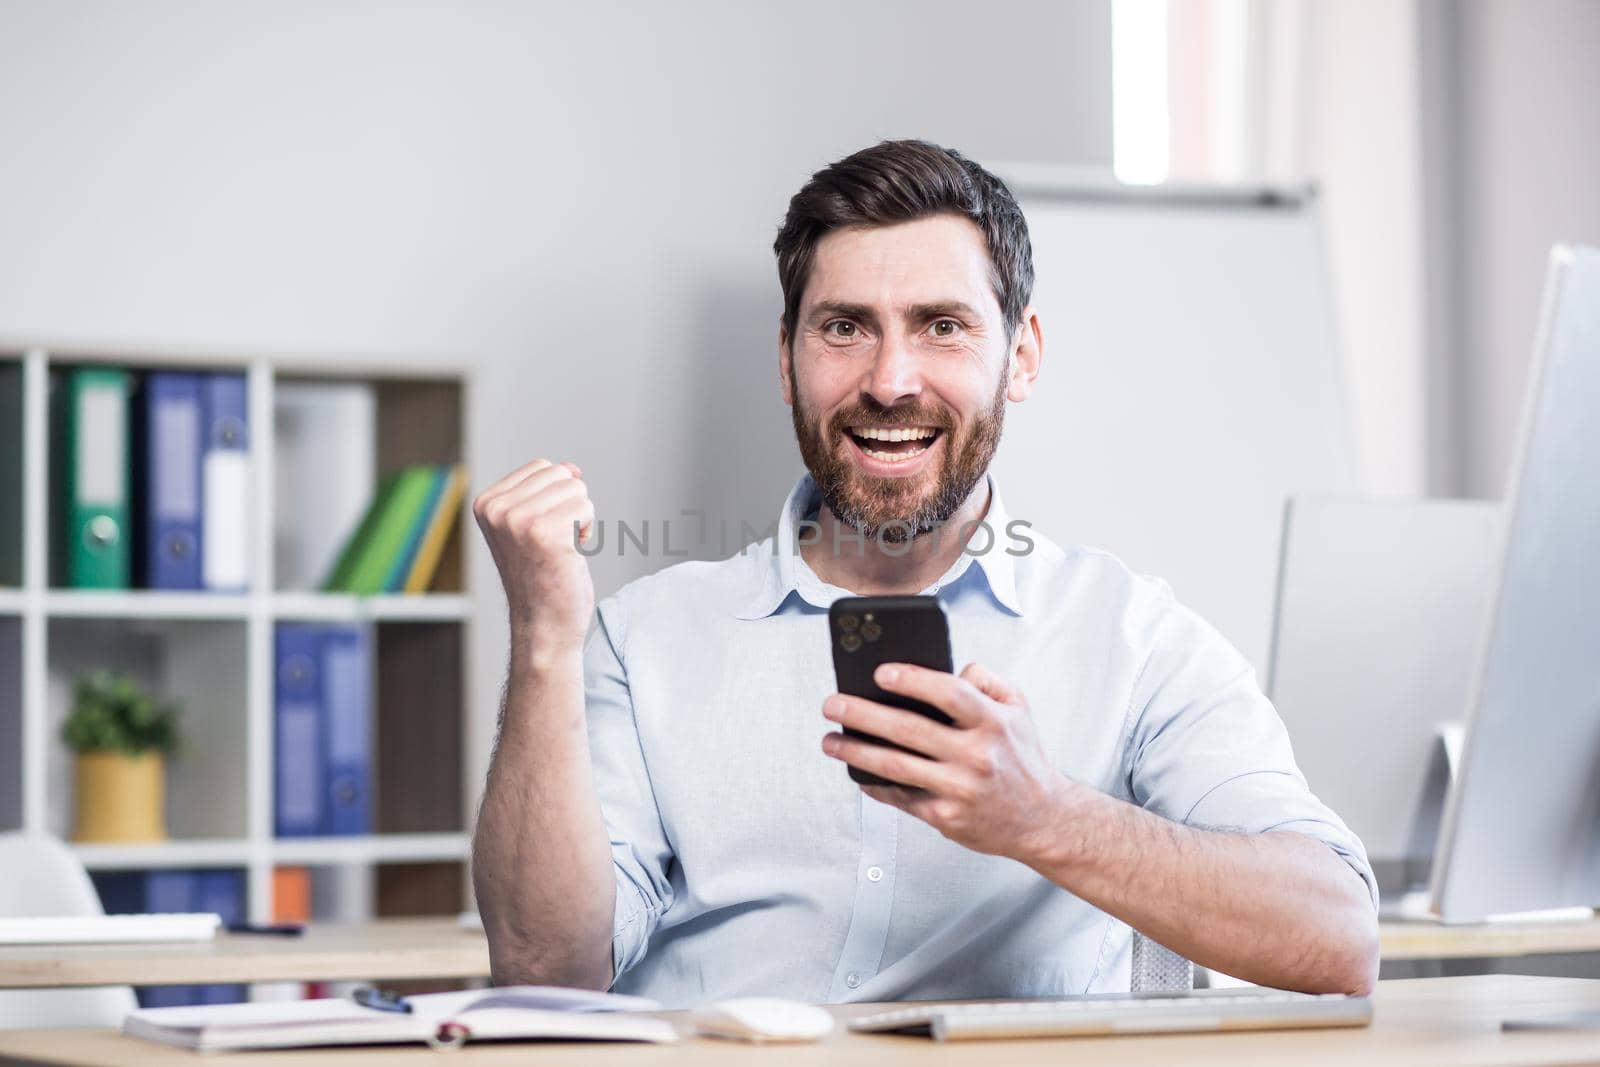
(1206, 747)
(640, 854)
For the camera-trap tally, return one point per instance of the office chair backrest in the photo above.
(40, 876)
(1158, 969)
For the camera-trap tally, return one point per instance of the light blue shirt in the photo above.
(748, 863)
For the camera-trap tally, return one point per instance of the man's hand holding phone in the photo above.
(984, 781)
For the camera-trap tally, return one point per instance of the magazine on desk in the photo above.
(442, 1020)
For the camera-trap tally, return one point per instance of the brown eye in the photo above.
(944, 328)
(841, 329)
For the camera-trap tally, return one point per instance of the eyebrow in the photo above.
(936, 309)
(829, 308)
(953, 308)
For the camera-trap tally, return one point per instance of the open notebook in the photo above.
(442, 1020)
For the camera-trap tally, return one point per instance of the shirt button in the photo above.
(852, 979)
(874, 874)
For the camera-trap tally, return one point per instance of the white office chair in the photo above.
(40, 876)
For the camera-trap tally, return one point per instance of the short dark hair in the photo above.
(901, 181)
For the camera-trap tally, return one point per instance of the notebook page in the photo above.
(543, 998)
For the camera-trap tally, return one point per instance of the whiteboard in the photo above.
(1190, 384)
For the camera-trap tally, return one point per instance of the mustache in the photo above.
(892, 420)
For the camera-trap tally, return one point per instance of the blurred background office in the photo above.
(549, 191)
(573, 207)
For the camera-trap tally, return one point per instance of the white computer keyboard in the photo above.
(109, 929)
(1122, 1014)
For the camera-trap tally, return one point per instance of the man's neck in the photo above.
(866, 568)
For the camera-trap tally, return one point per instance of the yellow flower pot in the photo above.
(120, 797)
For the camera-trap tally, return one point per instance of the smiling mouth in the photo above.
(897, 444)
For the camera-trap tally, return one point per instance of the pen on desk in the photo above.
(378, 1000)
(276, 929)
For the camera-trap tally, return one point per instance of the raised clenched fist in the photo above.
(527, 518)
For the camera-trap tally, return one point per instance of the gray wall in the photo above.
(579, 199)
(1512, 109)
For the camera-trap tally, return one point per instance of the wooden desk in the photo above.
(386, 950)
(1416, 1021)
(1402, 940)
(394, 949)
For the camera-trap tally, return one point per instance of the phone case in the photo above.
(870, 630)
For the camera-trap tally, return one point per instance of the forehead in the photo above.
(943, 257)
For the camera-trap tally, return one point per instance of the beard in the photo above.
(896, 510)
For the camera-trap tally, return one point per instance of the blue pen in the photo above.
(378, 1000)
(275, 929)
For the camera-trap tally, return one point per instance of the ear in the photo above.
(785, 359)
(1027, 352)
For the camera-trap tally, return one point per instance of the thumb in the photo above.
(991, 684)
(585, 522)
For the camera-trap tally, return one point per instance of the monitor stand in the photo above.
(1444, 761)
(1415, 904)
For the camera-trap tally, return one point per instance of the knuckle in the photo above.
(879, 723)
(894, 765)
(560, 491)
(1013, 731)
(984, 761)
(547, 534)
(918, 733)
(515, 517)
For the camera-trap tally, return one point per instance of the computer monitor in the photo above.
(1380, 604)
(1521, 828)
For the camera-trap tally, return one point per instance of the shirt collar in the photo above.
(785, 572)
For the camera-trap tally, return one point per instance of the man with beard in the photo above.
(658, 817)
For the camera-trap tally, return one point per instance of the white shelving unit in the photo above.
(144, 604)
(297, 852)
(331, 607)
(216, 650)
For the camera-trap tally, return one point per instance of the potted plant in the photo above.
(121, 736)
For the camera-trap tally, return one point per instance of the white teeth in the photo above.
(875, 433)
(895, 457)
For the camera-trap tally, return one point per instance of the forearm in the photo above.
(1279, 909)
(541, 863)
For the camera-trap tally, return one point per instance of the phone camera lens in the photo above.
(851, 642)
(848, 622)
(871, 631)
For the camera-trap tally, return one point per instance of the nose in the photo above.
(894, 376)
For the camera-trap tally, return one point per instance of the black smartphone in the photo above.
(869, 630)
